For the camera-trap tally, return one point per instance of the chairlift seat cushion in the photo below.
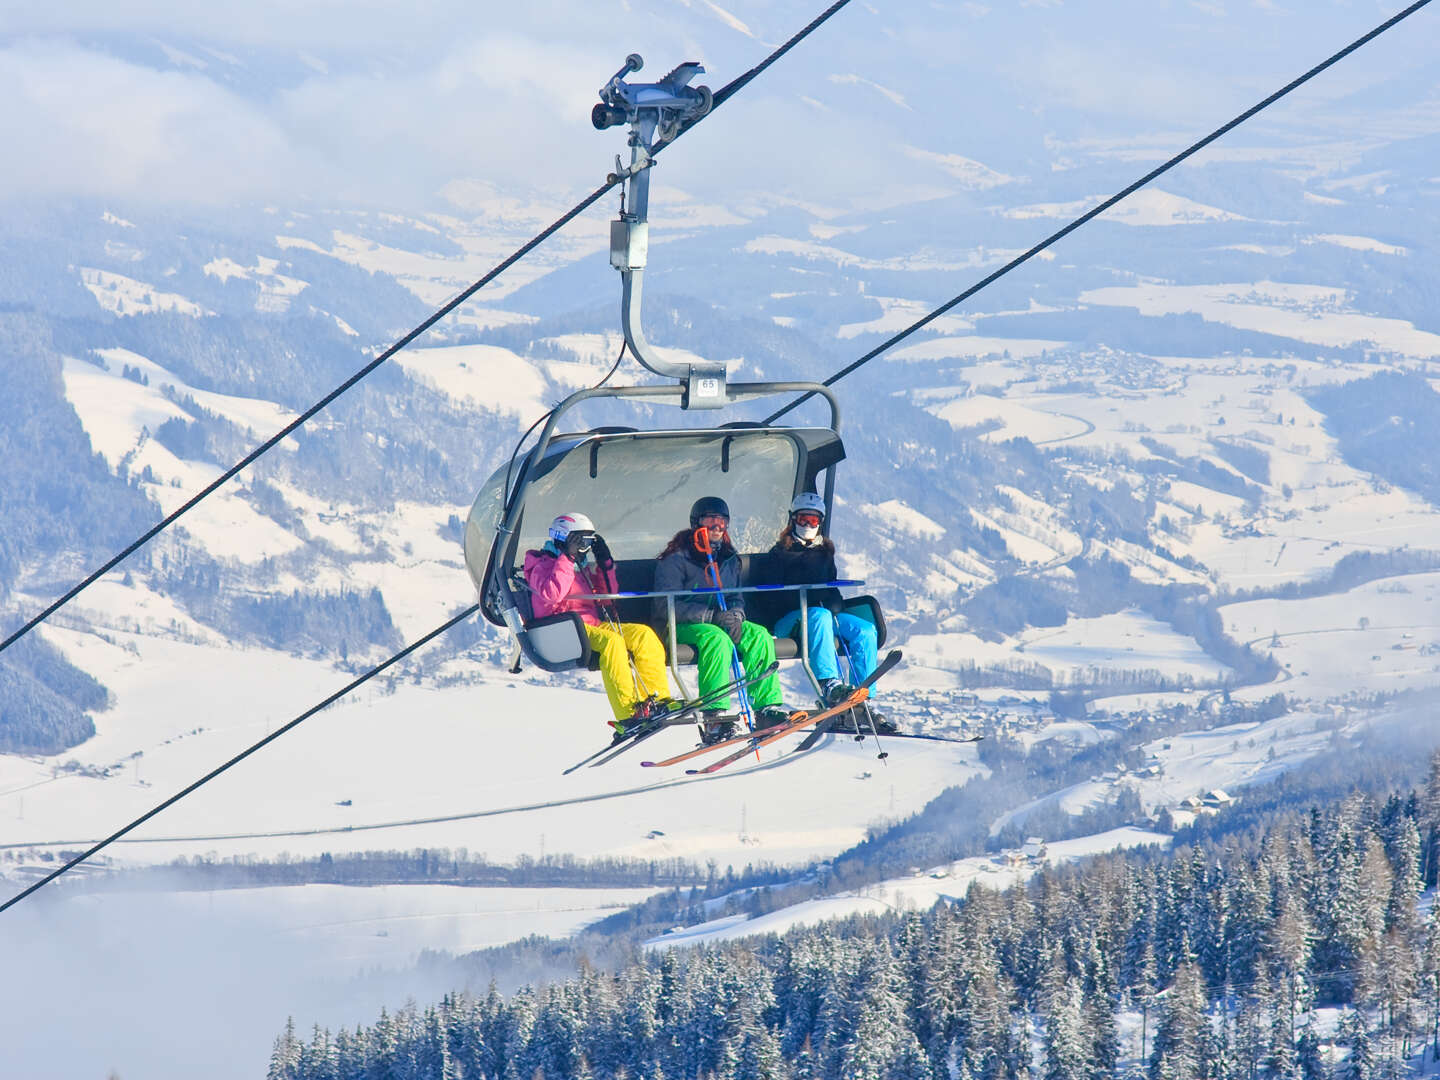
(568, 648)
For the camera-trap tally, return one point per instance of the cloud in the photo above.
(330, 26)
(85, 123)
(335, 100)
(91, 124)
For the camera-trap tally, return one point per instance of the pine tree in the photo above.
(1308, 1056)
(1098, 1019)
(1067, 1054)
(432, 1055)
(1281, 1061)
(318, 1060)
(285, 1058)
(1401, 913)
(1251, 1033)
(382, 1056)
(1178, 1037)
(1354, 1033)
(1430, 823)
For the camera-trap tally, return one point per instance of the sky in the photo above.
(381, 104)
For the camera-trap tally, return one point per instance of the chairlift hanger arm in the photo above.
(657, 113)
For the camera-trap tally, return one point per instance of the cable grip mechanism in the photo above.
(656, 113)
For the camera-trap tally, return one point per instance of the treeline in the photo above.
(44, 699)
(1388, 424)
(1170, 462)
(62, 510)
(427, 866)
(1101, 587)
(1225, 950)
(336, 624)
(1357, 568)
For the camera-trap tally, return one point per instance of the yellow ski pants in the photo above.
(620, 682)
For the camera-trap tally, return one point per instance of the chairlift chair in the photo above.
(638, 485)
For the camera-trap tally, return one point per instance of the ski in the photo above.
(814, 737)
(682, 713)
(734, 740)
(801, 720)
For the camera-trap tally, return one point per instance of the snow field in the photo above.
(479, 376)
(1148, 207)
(919, 891)
(1314, 314)
(121, 295)
(1123, 641)
(198, 983)
(476, 767)
(1384, 635)
(1193, 763)
(898, 314)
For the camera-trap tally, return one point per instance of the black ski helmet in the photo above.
(710, 504)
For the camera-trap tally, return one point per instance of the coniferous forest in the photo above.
(1297, 950)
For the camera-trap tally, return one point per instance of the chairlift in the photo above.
(636, 485)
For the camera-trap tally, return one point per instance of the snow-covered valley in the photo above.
(1163, 499)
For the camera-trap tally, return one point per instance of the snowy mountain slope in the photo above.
(921, 554)
(401, 765)
(918, 892)
(1158, 361)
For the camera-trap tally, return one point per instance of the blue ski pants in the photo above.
(858, 636)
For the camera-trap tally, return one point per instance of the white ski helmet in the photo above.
(565, 524)
(807, 500)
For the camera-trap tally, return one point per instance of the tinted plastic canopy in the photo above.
(637, 487)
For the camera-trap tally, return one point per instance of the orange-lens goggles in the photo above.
(807, 519)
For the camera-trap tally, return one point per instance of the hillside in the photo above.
(1154, 515)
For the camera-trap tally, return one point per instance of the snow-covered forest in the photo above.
(1299, 950)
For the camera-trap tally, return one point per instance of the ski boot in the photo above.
(645, 713)
(857, 723)
(771, 716)
(834, 691)
(716, 727)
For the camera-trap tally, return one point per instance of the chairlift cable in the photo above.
(725, 92)
(1106, 205)
(720, 97)
(213, 773)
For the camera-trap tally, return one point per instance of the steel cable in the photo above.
(1019, 260)
(725, 92)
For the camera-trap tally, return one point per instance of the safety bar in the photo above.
(710, 590)
(671, 594)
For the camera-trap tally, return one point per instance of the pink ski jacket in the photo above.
(557, 585)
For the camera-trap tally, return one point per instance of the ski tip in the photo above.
(647, 764)
(692, 772)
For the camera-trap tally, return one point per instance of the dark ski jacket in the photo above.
(686, 569)
(801, 564)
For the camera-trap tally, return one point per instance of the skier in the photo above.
(717, 630)
(632, 660)
(800, 556)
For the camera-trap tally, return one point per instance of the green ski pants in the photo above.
(713, 650)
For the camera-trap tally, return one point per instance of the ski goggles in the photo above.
(714, 519)
(808, 519)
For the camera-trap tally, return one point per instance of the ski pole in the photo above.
(702, 543)
(881, 752)
(611, 615)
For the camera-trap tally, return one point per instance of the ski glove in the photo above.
(732, 622)
(602, 552)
